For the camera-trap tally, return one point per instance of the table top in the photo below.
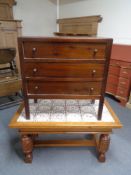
(66, 126)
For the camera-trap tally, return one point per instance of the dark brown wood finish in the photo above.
(64, 67)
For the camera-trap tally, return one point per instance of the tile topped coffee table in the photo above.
(65, 116)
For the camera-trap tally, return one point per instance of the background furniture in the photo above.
(129, 102)
(6, 12)
(86, 25)
(64, 67)
(10, 29)
(10, 82)
(119, 75)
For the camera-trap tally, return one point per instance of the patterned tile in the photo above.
(72, 109)
(71, 102)
(59, 102)
(65, 110)
(84, 102)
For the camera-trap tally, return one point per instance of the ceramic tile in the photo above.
(72, 109)
(59, 102)
(71, 102)
(57, 111)
(84, 102)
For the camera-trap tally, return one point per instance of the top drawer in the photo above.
(64, 50)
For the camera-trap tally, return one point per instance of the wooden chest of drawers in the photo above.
(119, 75)
(64, 68)
(119, 80)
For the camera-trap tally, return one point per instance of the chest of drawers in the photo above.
(119, 80)
(64, 68)
(119, 75)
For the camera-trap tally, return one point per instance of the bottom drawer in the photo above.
(111, 89)
(78, 88)
(122, 92)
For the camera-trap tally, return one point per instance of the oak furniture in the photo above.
(10, 30)
(6, 12)
(64, 68)
(85, 25)
(10, 82)
(119, 75)
(29, 132)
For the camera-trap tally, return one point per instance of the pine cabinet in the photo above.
(10, 30)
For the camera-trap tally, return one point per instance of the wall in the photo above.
(39, 16)
(116, 15)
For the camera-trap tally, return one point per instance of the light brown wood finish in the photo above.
(86, 25)
(65, 126)
(30, 130)
(6, 11)
(10, 30)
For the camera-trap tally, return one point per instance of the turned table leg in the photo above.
(27, 146)
(104, 143)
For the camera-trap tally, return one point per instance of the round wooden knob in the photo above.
(36, 87)
(93, 72)
(35, 70)
(34, 49)
(95, 50)
(91, 89)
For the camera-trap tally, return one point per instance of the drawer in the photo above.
(76, 70)
(123, 82)
(125, 73)
(112, 79)
(122, 92)
(64, 87)
(120, 63)
(115, 70)
(8, 25)
(64, 50)
(111, 89)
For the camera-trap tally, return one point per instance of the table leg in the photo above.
(104, 143)
(27, 146)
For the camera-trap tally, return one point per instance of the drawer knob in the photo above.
(124, 72)
(91, 90)
(33, 52)
(34, 49)
(36, 87)
(35, 70)
(95, 50)
(122, 82)
(121, 92)
(93, 72)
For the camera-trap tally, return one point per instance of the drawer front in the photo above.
(125, 73)
(64, 50)
(115, 70)
(113, 80)
(123, 82)
(7, 25)
(111, 89)
(78, 88)
(120, 63)
(122, 92)
(76, 70)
